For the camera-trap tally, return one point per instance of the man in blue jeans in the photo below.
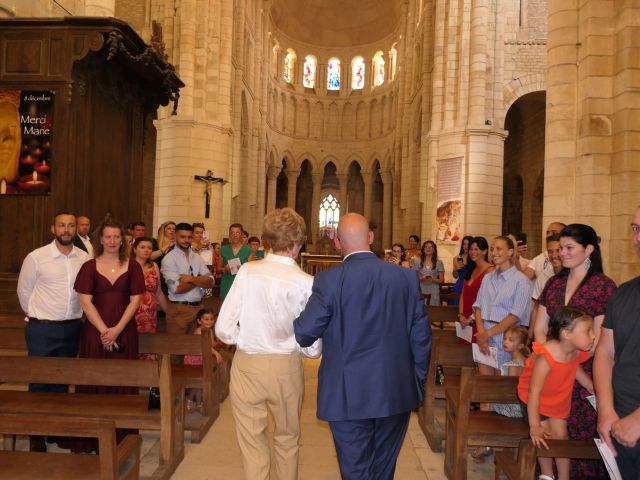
(52, 306)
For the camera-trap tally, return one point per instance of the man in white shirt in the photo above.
(187, 276)
(47, 296)
(541, 263)
(82, 239)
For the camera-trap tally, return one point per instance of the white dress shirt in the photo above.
(258, 312)
(87, 243)
(45, 284)
(175, 264)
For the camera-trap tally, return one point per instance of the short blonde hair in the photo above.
(283, 229)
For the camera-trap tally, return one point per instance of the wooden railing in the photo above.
(312, 263)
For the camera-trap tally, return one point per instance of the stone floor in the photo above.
(218, 456)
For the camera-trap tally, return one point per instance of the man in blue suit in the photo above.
(376, 346)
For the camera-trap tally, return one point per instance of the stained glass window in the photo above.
(393, 58)
(329, 212)
(378, 69)
(289, 66)
(357, 73)
(309, 79)
(333, 74)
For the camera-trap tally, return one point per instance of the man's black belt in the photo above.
(193, 304)
(54, 322)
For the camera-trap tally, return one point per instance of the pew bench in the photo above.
(12, 320)
(12, 341)
(121, 462)
(126, 411)
(451, 357)
(442, 316)
(192, 376)
(466, 428)
(523, 467)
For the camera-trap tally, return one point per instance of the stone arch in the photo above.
(309, 157)
(518, 88)
(290, 159)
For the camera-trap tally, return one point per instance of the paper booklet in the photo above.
(479, 357)
(609, 459)
(234, 265)
(592, 401)
(465, 333)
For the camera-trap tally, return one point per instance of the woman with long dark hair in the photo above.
(581, 284)
(477, 267)
(431, 272)
(460, 265)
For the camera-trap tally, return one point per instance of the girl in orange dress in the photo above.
(546, 383)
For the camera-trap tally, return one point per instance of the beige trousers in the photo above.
(276, 383)
(179, 316)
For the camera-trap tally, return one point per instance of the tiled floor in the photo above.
(218, 456)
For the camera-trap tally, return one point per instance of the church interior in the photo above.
(436, 118)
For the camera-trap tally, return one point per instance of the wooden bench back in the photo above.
(80, 371)
(12, 320)
(487, 388)
(445, 335)
(175, 343)
(12, 339)
(439, 313)
(451, 354)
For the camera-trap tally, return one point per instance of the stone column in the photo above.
(272, 180)
(315, 206)
(343, 178)
(387, 199)
(292, 179)
(368, 191)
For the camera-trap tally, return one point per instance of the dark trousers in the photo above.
(368, 449)
(52, 340)
(628, 461)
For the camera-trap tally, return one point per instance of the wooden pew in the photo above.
(444, 316)
(466, 428)
(451, 357)
(121, 462)
(12, 341)
(12, 320)
(127, 411)
(193, 376)
(524, 466)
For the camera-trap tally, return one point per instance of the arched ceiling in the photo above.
(336, 23)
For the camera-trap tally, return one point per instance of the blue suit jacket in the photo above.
(376, 338)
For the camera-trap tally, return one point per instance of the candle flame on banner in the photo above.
(35, 176)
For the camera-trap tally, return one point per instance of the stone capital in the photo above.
(273, 172)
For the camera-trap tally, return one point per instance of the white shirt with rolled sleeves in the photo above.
(258, 313)
(175, 264)
(45, 285)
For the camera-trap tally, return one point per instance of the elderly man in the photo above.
(616, 369)
(371, 318)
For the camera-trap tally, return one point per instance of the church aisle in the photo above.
(218, 456)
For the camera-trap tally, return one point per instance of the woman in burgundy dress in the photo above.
(476, 268)
(110, 287)
(583, 285)
(146, 315)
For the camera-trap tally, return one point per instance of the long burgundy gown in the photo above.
(111, 301)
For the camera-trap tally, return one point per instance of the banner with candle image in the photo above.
(26, 118)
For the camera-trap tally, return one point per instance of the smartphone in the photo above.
(259, 253)
(205, 235)
(387, 252)
(521, 238)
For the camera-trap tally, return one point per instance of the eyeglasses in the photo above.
(635, 228)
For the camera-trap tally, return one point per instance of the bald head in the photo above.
(555, 228)
(353, 233)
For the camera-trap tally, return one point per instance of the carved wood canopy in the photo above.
(43, 51)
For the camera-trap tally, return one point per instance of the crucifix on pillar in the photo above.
(209, 180)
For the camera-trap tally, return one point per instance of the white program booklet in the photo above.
(491, 359)
(592, 401)
(234, 265)
(609, 459)
(465, 333)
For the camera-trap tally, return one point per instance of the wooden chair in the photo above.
(121, 462)
(524, 466)
(126, 411)
(451, 357)
(445, 298)
(466, 428)
(203, 376)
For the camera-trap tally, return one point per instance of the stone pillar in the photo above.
(368, 191)
(315, 206)
(387, 181)
(292, 179)
(272, 180)
(343, 178)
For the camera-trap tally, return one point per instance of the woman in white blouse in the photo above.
(257, 315)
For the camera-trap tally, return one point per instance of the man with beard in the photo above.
(52, 306)
(82, 240)
(187, 276)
